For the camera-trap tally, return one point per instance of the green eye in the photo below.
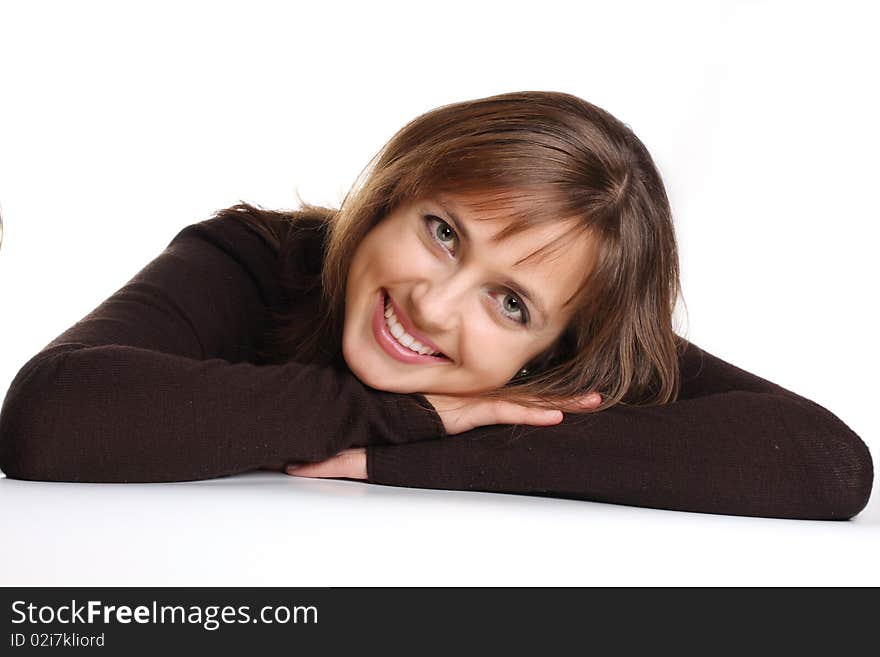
(443, 229)
(519, 313)
(442, 226)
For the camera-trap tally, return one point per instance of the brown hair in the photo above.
(531, 157)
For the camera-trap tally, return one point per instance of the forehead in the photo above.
(551, 258)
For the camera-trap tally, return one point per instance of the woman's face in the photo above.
(461, 296)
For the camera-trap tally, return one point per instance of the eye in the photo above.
(443, 233)
(518, 313)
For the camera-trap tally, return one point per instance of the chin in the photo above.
(355, 364)
(363, 369)
(385, 384)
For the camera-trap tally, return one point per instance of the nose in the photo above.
(437, 305)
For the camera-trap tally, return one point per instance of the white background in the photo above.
(121, 123)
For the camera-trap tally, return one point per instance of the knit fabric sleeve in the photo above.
(733, 443)
(155, 384)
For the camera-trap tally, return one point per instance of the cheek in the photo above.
(492, 352)
(403, 258)
(367, 265)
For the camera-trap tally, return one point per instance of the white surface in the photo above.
(269, 529)
(119, 126)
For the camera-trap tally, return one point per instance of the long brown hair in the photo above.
(531, 157)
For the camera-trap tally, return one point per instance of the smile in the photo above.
(395, 341)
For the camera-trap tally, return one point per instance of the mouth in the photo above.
(392, 337)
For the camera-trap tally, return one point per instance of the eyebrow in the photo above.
(517, 287)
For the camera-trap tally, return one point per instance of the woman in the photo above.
(489, 309)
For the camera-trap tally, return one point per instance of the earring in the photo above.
(522, 372)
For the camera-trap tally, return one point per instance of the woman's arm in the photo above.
(154, 384)
(733, 443)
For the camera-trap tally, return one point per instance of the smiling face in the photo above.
(456, 292)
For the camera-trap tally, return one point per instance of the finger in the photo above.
(511, 413)
(577, 404)
(354, 463)
(349, 464)
(586, 402)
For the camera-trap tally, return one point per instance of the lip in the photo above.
(390, 345)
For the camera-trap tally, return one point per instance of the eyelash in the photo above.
(428, 220)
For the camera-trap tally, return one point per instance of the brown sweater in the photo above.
(159, 383)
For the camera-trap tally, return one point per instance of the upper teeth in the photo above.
(402, 336)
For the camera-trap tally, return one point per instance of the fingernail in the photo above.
(291, 469)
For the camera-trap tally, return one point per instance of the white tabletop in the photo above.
(268, 529)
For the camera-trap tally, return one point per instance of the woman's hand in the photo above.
(348, 464)
(460, 414)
